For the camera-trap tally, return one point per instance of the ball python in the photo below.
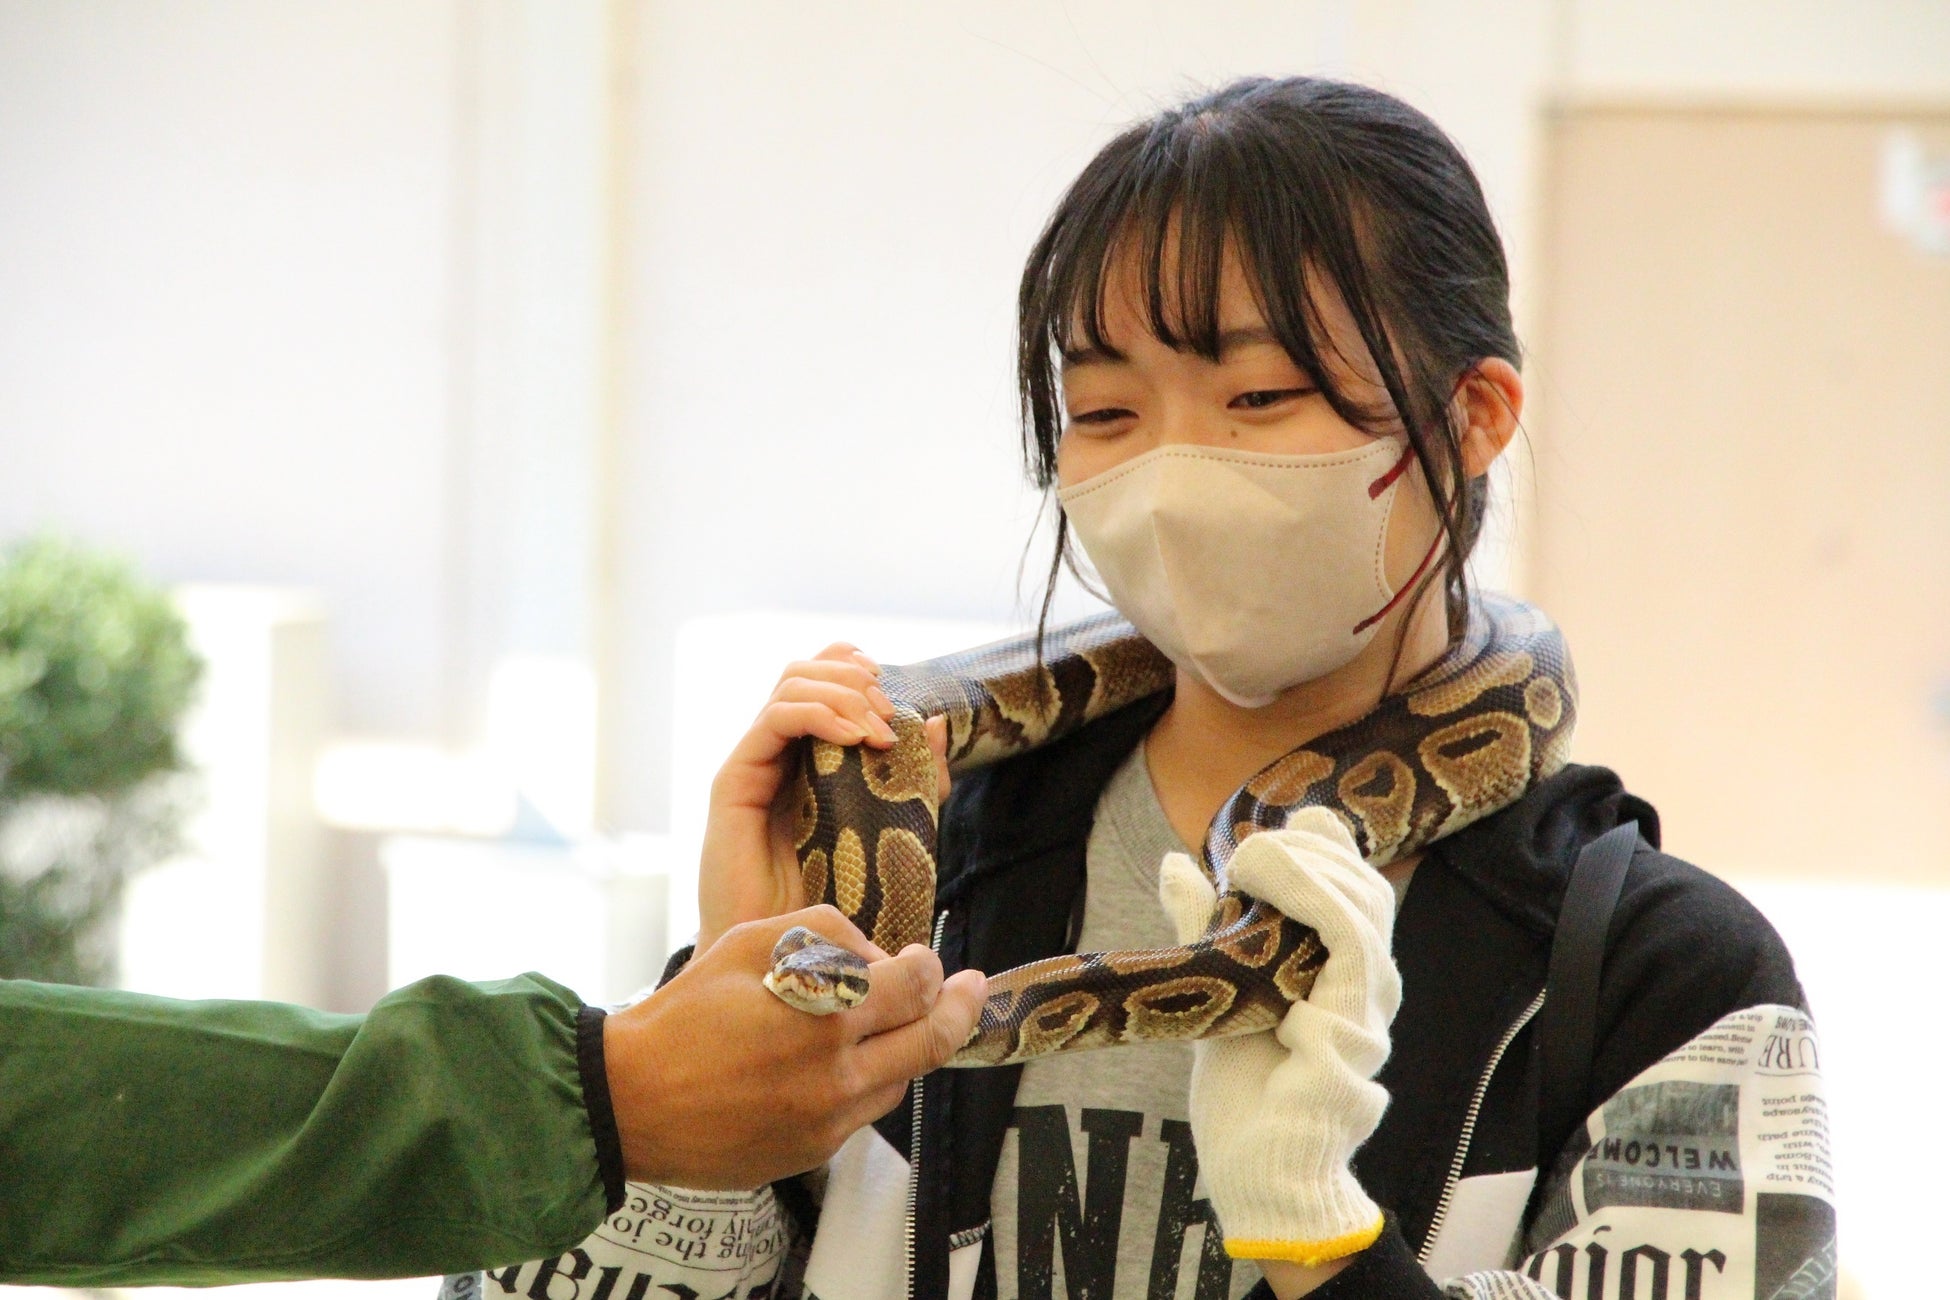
(1465, 738)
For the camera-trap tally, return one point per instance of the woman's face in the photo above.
(1253, 398)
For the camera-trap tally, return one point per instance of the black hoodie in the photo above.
(1472, 941)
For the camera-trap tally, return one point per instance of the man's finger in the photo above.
(829, 923)
(870, 1106)
(914, 1049)
(899, 989)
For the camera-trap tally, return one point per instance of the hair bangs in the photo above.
(1154, 235)
(1155, 218)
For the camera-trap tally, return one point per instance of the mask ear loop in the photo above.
(1375, 489)
(1395, 471)
(1396, 599)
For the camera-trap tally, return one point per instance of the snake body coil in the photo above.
(1464, 739)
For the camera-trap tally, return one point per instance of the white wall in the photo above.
(1774, 50)
(226, 295)
(827, 214)
(316, 294)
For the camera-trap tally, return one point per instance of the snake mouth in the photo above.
(816, 975)
(820, 992)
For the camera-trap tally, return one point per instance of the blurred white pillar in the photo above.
(243, 912)
(533, 331)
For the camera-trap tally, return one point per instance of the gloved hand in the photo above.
(1277, 1115)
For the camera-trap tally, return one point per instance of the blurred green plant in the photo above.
(96, 673)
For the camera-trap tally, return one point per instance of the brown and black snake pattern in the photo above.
(1464, 739)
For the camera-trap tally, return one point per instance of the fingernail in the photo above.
(853, 732)
(878, 698)
(872, 667)
(880, 728)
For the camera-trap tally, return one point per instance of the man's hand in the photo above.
(716, 1083)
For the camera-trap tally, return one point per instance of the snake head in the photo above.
(814, 975)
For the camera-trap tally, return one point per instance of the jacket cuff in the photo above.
(595, 1098)
(1386, 1270)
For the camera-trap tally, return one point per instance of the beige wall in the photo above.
(227, 290)
(1742, 473)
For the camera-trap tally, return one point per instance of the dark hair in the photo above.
(1305, 178)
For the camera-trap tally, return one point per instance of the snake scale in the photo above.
(1464, 739)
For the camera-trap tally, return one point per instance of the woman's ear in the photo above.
(1486, 408)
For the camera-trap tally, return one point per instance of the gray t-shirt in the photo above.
(1098, 1175)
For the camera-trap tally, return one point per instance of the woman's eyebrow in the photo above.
(1090, 356)
(1229, 340)
(1245, 336)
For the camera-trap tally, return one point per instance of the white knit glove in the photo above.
(1277, 1115)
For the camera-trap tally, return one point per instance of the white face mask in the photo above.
(1254, 571)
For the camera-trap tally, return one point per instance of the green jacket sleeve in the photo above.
(145, 1140)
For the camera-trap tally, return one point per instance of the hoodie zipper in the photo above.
(914, 1135)
(1469, 1127)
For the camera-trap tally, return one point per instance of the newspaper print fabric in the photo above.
(1705, 1178)
(664, 1242)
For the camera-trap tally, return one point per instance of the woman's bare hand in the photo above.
(749, 870)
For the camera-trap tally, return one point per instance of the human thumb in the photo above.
(1188, 897)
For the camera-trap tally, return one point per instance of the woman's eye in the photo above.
(1262, 398)
(1104, 415)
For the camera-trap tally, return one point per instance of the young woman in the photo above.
(1266, 364)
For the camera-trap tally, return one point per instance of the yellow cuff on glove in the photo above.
(1310, 1253)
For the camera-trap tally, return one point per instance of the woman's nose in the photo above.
(1189, 424)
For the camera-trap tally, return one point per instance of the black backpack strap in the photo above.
(1567, 1024)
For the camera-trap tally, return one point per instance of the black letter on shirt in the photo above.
(1695, 1275)
(1628, 1272)
(1567, 1261)
(1048, 1204)
(1177, 1211)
